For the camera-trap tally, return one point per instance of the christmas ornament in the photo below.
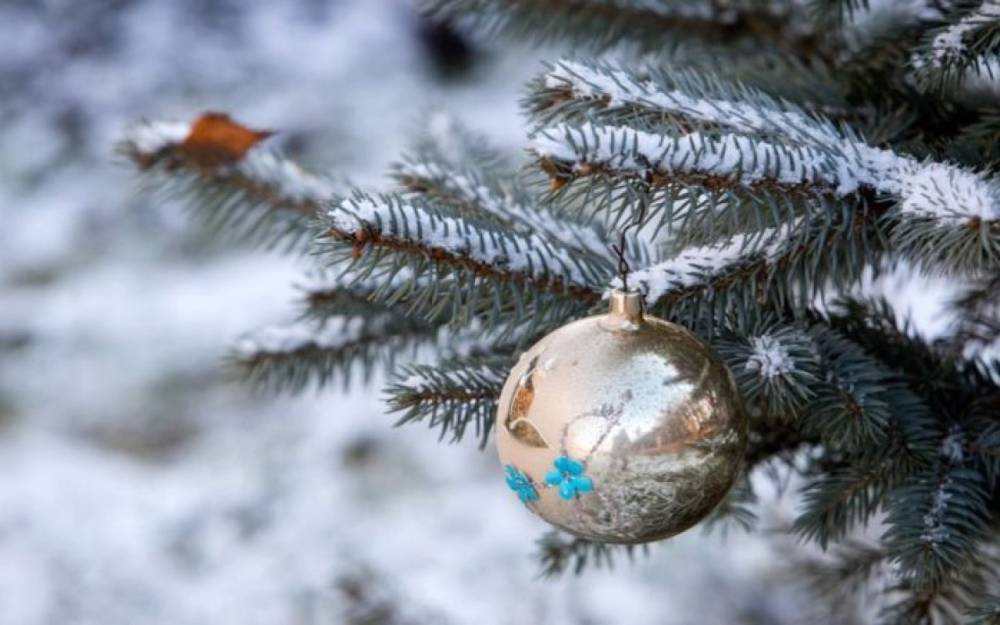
(621, 428)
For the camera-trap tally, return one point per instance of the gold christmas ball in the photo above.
(621, 428)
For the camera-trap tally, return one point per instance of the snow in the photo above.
(935, 531)
(287, 177)
(285, 339)
(531, 254)
(950, 42)
(506, 207)
(260, 164)
(948, 193)
(418, 381)
(149, 137)
(621, 88)
(734, 157)
(953, 446)
(769, 358)
(700, 264)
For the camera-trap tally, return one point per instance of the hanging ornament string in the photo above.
(620, 249)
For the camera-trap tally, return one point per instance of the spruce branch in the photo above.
(261, 196)
(451, 395)
(602, 23)
(950, 388)
(935, 521)
(736, 510)
(290, 358)
(328, 294)
(558, 554)
(983, 138)
(474, 269)
(850, 409)
(968, 46)
(842, 498)
(987, 612)
(723, 161)
(774, 365)
(835, 12)
(944, 218)
(446, 139)
(575, 90)
(478, 195)
(951, 601)
(842, 575)
(702, 187)
(783, 268)
(876, 430)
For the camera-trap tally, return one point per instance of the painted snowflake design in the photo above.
(569, 478)
(520, 483)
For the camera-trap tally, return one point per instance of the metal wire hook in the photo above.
(619, 250)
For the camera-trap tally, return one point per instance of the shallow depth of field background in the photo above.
(138, 483)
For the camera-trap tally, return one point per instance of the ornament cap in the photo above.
(624, 310)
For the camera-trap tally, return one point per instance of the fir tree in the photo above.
(778, 154)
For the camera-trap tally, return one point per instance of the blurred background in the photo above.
(138, 483)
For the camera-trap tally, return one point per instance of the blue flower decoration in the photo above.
(568, 476)
(521, 484)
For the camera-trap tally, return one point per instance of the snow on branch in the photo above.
(452, 244)
(952, 40)
(451, 395)
(774, 365)
(946, 218)
(769, 357)
(257, 171)
(854, 405)
(944, 192)
(969, 45)
(696, 270)
(687, 99)
(768, 140)
(936, 522)
(148, 138)
(476, 195)
(237, 185)
(291, 357)
(275, 340)
(727, 160)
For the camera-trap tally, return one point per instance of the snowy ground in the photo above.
(139, 485)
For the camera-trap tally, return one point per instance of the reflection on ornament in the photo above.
(639, 418)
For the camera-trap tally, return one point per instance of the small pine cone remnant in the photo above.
(216, 140)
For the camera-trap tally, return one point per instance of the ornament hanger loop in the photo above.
(620, 249)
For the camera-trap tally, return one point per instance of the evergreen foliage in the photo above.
(780, 153)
